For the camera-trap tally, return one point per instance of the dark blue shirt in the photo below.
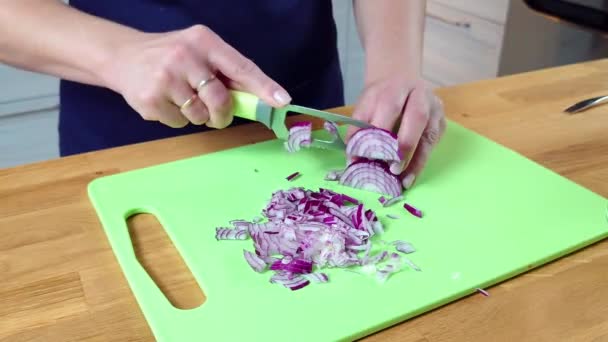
(293, 41)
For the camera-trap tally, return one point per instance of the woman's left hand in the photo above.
(412, 110)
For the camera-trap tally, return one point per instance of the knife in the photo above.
(588, 103)
(249, 106)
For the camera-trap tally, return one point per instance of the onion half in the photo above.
(374, 143)
(372, 175)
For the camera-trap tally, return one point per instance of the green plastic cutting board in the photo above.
(489, 214)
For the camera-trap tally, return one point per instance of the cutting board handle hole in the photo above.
(162, 261)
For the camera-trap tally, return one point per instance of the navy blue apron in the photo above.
(293, 41)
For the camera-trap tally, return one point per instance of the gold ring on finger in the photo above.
(188, 102)
(204, 83)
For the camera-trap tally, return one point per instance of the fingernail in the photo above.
(408, 180)
(397, 168)
(282, 97)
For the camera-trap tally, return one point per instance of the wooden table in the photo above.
(59, 280)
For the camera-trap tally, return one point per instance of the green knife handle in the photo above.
(244, 105)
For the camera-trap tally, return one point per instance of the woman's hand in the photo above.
(412, 110)
(160, 72)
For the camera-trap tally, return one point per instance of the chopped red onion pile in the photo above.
(300, 135)
(308, 231)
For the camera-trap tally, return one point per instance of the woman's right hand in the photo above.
(158, 72)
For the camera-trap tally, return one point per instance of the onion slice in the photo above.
(333, 175)
(222, 233)
(412, 210)
(293, 176)
(404, 246)
(411, 264)
(374, 143)
(254, 261)
(293, 266)
(372, 176)
(483, 292)
(394, 265)
(300, 135)
(291, 282)
(332, 128)
(389, 202)
(317, 277)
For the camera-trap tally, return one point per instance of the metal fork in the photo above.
(249, 106)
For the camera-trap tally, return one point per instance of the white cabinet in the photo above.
(28, 137)
(29, 105)
(24, 91)
(463, 40)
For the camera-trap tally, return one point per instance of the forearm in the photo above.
(391, 33)
(53, 38)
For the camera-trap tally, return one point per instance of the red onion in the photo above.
(412, 210)
(411, 264)
(389, 202)
(292, 265)
(333, 175)
(404, 247)
(483, 292)
(254, 261)
(332, 128)
(306, 231)
(372, 176)
(293, 282)
(394, 265)
(300, 135)
(230, 234)
(371, 155)
(293, 176)
(374, 143)
(317, 277)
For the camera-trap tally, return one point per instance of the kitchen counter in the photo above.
(60, 281)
